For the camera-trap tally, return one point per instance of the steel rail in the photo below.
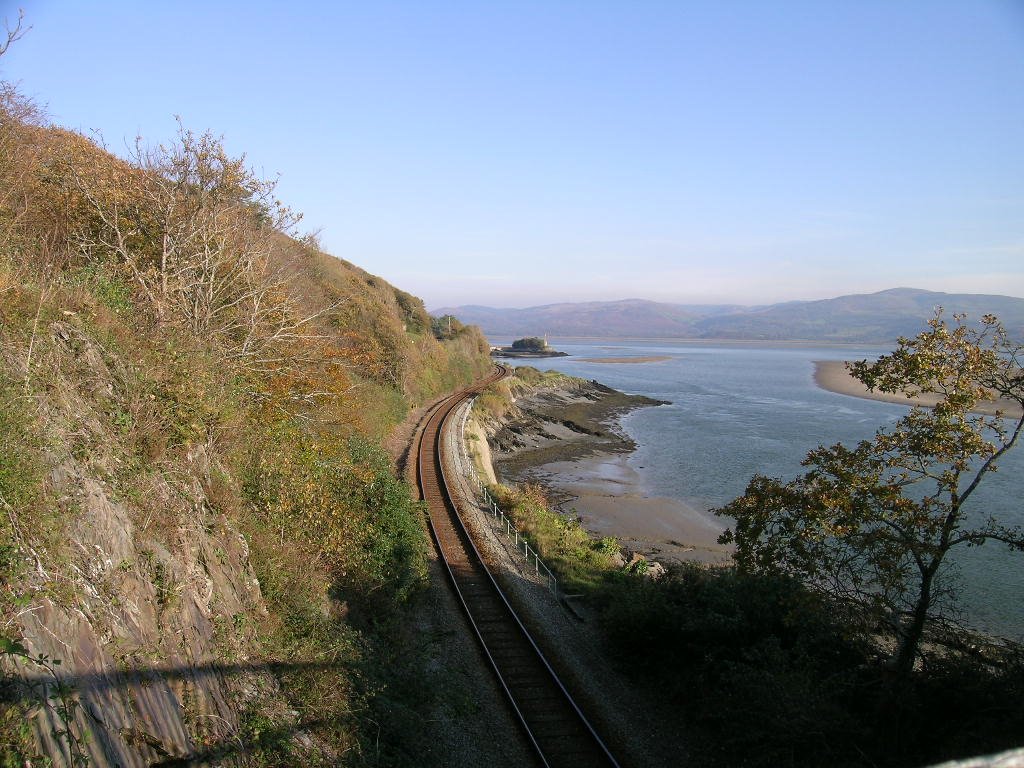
(552, 721)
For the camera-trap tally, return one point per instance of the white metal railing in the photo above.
(520, 542)
(501, 521)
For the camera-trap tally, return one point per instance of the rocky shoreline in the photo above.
(567, 439)
(508, 352)
(563, 423)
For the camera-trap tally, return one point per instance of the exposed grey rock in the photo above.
(138, 605)
(1012, 759)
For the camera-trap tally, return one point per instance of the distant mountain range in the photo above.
(868, 318)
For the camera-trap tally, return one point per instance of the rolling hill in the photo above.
(875, 317)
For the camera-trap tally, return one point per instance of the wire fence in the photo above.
(520, 542)
(502, 522)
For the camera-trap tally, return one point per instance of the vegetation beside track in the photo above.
(192, 401)
(759, 670)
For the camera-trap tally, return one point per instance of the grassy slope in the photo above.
(112, 408)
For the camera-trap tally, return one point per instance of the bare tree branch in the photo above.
(13, 35)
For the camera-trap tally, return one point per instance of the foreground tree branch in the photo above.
(13, 35)
(873, 525)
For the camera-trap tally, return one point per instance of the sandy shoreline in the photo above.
(833, 376)
(572, 444)
(606, 493)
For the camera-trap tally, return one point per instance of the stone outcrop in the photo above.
(137, 624)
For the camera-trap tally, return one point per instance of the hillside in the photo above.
(202, 543)
(629, 317)
(878, 317)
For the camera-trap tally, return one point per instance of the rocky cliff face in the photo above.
(136, 631)
(189, 397)
(135, 611)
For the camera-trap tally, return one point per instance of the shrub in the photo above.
(342, 499)
(530, 344)
(580, 560)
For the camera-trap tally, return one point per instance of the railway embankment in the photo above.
(521, 415)
(565, 629)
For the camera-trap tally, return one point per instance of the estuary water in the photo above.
(741, 409)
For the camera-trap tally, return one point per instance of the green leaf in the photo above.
(13, 647)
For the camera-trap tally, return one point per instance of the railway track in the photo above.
(553, 722)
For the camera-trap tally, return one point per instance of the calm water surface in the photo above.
(737, 410)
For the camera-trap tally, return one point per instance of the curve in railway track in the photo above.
(553, 722)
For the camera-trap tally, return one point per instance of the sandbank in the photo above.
(650, 359)
(833, 376)
(606, 493)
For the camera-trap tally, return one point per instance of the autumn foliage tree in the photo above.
(873, 524)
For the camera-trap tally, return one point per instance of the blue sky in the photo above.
(519, 153)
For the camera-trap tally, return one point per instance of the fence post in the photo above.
(499, 514)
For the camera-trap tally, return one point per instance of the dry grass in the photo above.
(111, 379)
